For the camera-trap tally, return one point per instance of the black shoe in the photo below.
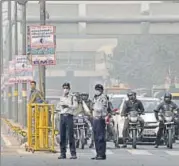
(156, 146)
(94, 158)
(101, 158)
(91, 145)
(62, 157)
(73, 157)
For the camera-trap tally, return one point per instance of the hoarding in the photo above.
(42, 44)
(23, 69)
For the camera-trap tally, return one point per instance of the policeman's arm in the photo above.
(74, 104)
(105, 103)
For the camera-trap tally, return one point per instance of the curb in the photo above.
(14, 130)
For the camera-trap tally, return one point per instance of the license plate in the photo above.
(80, 120)
(148, 132)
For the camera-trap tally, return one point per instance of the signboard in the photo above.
(23, 69)
(42, 44)
(11, 72)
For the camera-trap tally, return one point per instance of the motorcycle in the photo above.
(134, 127)
(169, 129)
(109, 123)
(81, 131)
(110, 131)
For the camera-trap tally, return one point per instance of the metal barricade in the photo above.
(40, 134)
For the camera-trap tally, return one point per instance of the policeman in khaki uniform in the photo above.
(100, 105)
(66, 106)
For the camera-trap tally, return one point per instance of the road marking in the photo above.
(5, 139)
(108, 152)
(139, 152)
(22, 151)
(172, 153)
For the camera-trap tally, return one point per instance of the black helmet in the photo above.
(168, 95)
(131, 94)
(99, 87)
(66, 84)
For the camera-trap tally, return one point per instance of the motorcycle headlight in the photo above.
(133, 119)
(168, 118)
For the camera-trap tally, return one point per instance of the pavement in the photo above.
(145, 155)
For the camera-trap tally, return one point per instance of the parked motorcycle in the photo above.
(134, 127)
(81, 131)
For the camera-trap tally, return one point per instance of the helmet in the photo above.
(167, 96)
(66, 84)
(99, 87)
(131, 95)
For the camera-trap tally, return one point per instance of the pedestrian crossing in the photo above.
(112, 152)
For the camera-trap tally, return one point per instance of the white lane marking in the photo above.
(108, 152)
(5, 139)
(139, 152)
(172, 153)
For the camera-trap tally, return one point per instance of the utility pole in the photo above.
(24, 85)
(16, 53)
(42, 69)
(1, 57)
(10, 58)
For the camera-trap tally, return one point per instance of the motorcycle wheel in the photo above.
(134, 139)
(170, 139)
(82, 138)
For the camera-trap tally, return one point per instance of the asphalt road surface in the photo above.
(144, 155)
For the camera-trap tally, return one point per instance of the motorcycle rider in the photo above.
(166, 105)
(130, 105)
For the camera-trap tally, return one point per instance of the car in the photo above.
(151, 124)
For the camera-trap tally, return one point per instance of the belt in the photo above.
(66, 114)
(99, 117)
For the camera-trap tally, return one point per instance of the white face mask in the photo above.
(65, 91)
(97, 92)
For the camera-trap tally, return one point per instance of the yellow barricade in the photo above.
(40, 136)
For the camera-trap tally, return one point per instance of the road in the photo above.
(142, 156)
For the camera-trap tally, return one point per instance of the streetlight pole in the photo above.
(42, 69)
(16, 53)
(24, 85)
(10, 58)
(1, 56)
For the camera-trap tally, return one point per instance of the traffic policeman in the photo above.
(166, 105)
(100, 105)
(66, 106)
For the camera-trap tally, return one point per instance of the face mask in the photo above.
(97, 92)
(65, 91)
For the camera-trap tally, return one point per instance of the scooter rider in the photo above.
(166, 105)
(131, 104)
